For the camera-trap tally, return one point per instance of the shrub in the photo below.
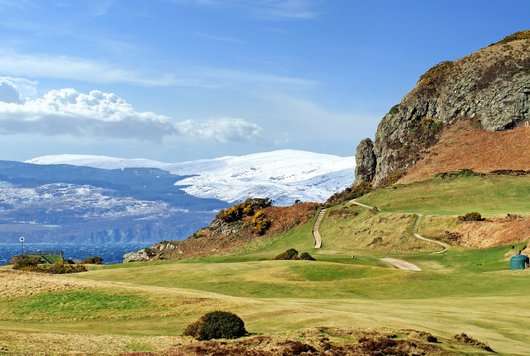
(474, 216)
(306, 256)
(95, 260)
(217, 325)
(60, 267)
(31, 264)
(260, 223)
(458, 173)
(290, 254)
(248, 207)
(24, 261)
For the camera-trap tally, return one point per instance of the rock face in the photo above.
(366, 161)
(490, 86)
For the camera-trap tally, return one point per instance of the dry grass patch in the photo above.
(478, 234)
(463, 146)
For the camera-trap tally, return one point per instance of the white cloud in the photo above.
(100, 114)
(72, 68)
(223, 129)
(64, 67)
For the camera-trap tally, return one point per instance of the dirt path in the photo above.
(364, 205)
(316, 225)
(402, 264)
(416, 234)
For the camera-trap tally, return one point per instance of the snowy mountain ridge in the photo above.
(284, 176)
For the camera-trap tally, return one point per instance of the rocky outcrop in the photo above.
(490, 86)
(366, 161)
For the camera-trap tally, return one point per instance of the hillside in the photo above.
(491, 87)
(223, 237)
(462, 146)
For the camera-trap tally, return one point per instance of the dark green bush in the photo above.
(474, 216)
(95, 260)
(217, 325)
(306, 256)
(290, 254)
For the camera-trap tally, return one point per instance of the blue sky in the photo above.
(176, 80)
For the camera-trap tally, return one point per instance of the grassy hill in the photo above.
(146, 306)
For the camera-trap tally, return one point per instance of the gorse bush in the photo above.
(95, 260)
(217, 325)
(24, 261)
(31, 264)
(260, 223)
(474, 216)
(247, 208)
(62, 268)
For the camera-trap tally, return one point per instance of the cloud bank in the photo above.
(100, 114)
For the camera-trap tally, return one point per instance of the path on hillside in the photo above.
(417, 235)
(316, 225)
(353, 201)
(402, 264)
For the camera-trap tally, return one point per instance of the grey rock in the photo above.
(139, 256)
(365, 161)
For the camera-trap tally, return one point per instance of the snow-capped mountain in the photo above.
(284, 176)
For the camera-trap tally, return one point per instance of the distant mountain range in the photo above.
(92, 199)
(284, 175)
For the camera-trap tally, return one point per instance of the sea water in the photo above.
(111, 253)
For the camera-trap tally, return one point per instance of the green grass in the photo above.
(488, 195)
(75, 304)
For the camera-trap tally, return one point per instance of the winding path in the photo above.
(316, 225)
(402, 264)
(416, 234)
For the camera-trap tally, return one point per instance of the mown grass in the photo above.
(76, 304)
